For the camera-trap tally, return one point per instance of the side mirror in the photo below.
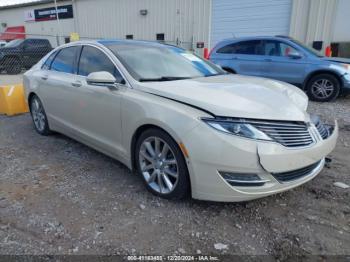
(102, 78)
(294, 55)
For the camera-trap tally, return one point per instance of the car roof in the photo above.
(107, 42)
(248, 38)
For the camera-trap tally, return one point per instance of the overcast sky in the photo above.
(12, 2)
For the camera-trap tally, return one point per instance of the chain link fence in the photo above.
(20, 51)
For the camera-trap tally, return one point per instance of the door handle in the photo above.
(44, 77)
(76, 84)
(268, 60)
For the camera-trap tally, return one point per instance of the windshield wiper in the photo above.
(163, 78)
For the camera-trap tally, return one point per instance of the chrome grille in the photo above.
(296, 174)
(322, 129)
(289, 134)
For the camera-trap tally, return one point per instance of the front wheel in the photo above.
(161, 165)
(323, 88)
(39, 116)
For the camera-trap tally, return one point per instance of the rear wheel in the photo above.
(161, 165)
(323, 88)
(39, 116)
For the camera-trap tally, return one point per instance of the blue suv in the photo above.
(285, 59)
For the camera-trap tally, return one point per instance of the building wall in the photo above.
(241, 18)
(314, 20)
(342, 22)
(185, 21)
(47, 29)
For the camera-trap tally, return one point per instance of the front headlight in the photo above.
(237, 127)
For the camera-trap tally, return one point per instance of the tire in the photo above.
(323, 88)
(13, 66)
(39, 117)
(158, 168)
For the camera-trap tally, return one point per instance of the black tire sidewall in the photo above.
(329, 77)
(182, 188)
(46, 130)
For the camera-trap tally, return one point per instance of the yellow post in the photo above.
(12, 100)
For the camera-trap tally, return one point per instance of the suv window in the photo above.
(65, 60)
(277, 48)
(94, 60)
(253, 47)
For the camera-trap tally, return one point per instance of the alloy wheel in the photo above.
(38, 115)
(158, 165)
(322, 88)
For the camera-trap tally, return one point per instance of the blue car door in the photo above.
(280, 62)
(244, 57)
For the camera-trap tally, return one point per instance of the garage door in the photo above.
(237, 18)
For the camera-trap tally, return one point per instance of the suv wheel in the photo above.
(39, 116)
(323, 88)
(161, 164)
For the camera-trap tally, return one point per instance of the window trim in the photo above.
(54, 53)
(108, 57)
(78, 62)
(238, 43)
(80, 45)
(74, 64)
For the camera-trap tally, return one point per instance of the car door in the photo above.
(280, 65)
(57, 88)
(244, 57)
(98, 108)
(249, 56)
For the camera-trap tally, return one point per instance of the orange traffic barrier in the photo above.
(12, 101)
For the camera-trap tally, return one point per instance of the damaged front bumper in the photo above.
(229, 168)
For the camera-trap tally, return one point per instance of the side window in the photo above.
(65, 60)
(286, 49)
(277, 48)
(272, 48)
(94, 60)
(227, 49)
(47, 64)
(253, 47)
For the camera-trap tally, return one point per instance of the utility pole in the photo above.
(58, 33)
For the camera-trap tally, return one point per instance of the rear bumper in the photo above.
(221, 152)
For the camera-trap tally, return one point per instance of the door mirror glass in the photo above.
(101, 78)
(294, 55)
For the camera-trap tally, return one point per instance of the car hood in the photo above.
(236, 96)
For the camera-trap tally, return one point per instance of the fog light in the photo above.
(243, 179)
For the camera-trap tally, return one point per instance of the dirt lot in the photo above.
(58, 196)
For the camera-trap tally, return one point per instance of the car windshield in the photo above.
(162, 63)
(308, 49)
(14, 43)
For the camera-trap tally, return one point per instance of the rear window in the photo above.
(47, 64)
(253, 47)
(65, 60)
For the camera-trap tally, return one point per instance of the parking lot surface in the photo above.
(58, 196)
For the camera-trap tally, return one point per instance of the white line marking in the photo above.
(11, 91)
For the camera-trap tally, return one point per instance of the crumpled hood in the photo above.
(236, 96)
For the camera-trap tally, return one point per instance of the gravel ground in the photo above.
(58, 196)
